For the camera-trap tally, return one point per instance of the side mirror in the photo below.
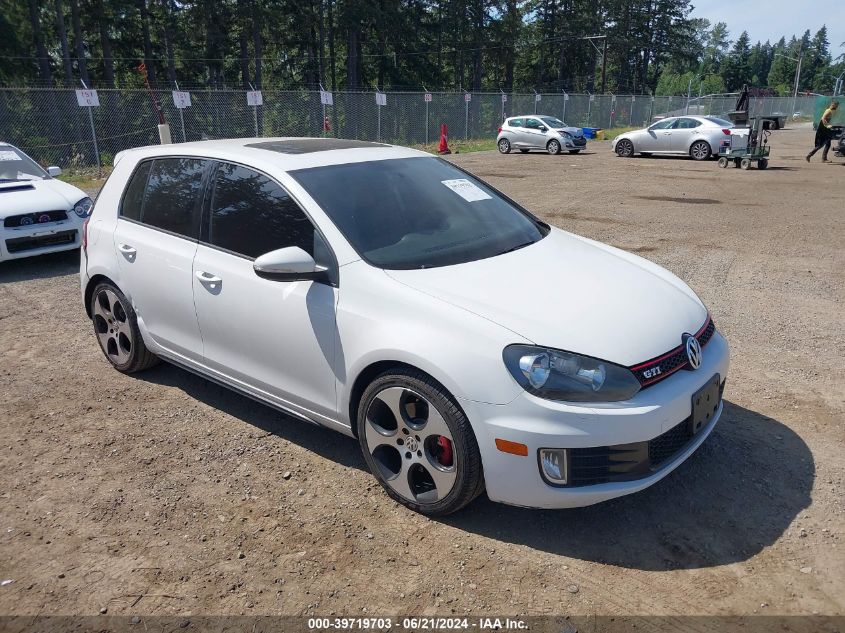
(289, 264)
(543, 128)
(54, 171)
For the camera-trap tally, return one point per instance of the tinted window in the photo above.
(418, 212)
(173, 192)
(686, 124)
(533, 124)
(252, 215)
(133, 199)
(515, 122)
(662, 125)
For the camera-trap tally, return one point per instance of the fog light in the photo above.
(553, 461)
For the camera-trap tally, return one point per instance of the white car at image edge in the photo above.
(387, 294)
(39, 214)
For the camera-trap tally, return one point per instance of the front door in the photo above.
(535, 134)
(273, 338)
(156, 240)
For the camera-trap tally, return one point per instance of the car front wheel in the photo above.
(116, 329)
(418, 443)
(625, 148)
(553, 147)
(700, 150)
(504, 146)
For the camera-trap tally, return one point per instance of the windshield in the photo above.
(720, 122)
(418, 212)
(553, 122)
(15, 165)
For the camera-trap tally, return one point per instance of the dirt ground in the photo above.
(163, 493)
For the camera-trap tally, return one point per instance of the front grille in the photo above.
(579, 140)
(657, 369)
(626, 462)
(19, 244)
(28, 219)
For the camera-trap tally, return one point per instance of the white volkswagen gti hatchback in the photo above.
(39, 214)
(389, 295)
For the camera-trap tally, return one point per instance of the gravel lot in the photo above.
(163, 493)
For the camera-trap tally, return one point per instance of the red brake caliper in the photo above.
(445, 457)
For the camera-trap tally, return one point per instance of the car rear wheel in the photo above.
(553, 147)
(700, 150)
(116, 329)
(418, 443)
(625, 148)
(504, 146)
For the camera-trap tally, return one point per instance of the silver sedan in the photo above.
(699, 137)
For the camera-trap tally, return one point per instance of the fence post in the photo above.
(467, 97)
(565, 99)
(651, 111)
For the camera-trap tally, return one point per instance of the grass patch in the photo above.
(86, 178)
(459, 146)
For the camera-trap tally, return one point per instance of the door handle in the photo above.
(126, 249)
(208, 278)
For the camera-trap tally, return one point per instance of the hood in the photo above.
(571, 293)
(573, 131)
(37, 195)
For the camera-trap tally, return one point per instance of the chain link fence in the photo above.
(51, 127)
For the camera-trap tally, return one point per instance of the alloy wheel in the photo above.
(411, 445)
(625, 148)
(553, 147)
(700, 150)
(111, 324)
(504, 146)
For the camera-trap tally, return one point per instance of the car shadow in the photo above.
(735, 496)
(317, 439)
(40, 267)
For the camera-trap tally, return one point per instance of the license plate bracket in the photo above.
(705, 402)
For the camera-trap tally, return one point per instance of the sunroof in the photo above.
(309, 145)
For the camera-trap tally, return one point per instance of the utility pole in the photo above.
(797, 79)
(604, 65)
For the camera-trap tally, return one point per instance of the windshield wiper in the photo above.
(515, 248)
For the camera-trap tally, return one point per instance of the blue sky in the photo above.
(770, 19)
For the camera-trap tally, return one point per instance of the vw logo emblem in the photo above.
(693, 350)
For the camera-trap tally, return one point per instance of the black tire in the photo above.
(763, 163)
(700, 150)
(116, 329)
(625, 148)
(504, 146)
(574, 151)
(469, 476)
(524, 151)
(553, 147)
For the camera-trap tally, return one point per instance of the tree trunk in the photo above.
(148, 45)
(105, 44)
(332, 59)
(243, 44)
(62, 32)
(169, 36)
(352, 37)
(79, 44)
(40, 49)
(257, 42)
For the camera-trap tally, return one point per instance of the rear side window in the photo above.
(515, 122)
(687, 124)
(252, 215)
(172, 197)
(133, 199)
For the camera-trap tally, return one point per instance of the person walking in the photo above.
(824, 133)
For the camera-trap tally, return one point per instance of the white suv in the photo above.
(389, 295)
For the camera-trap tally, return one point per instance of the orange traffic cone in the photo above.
(444, 140)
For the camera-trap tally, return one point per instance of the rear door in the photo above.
(156, 240)
(683, 132)
(516, 132)
(273, 338)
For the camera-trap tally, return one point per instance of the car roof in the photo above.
(280, 153)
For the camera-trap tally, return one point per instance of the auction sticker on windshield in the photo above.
(7, 155)
(466, 190)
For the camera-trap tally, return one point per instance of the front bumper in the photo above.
(37, 239)
(538, 423)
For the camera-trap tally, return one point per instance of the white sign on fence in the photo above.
(326, 97)
(254, 98)
(87, 98)
(537, 97)
(181, 99)
(427, 97)
(504, 98)
(592, 97)
(468, 97)
(565, 97)
(381, 99)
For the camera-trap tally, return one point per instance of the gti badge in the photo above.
(693, 350)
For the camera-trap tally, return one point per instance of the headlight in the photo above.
(557, 375)
(83, 207)
(566, 135)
